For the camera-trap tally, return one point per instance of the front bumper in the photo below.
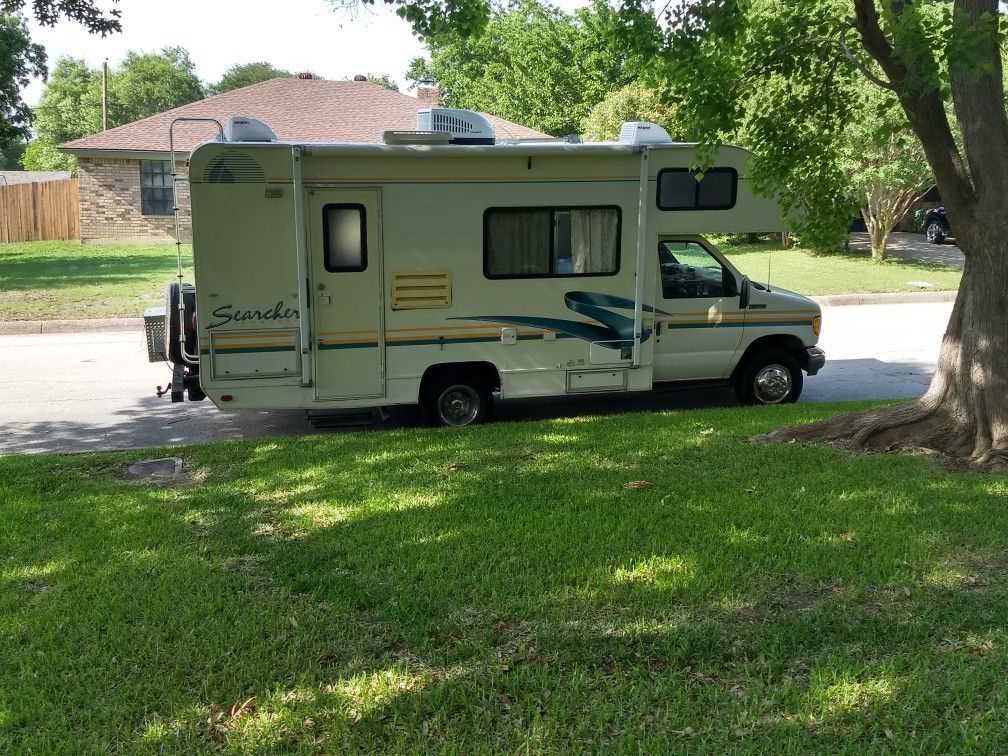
(815, 359)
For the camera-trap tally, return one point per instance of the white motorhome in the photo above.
(443, 267)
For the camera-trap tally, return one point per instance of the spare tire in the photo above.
(172, 347)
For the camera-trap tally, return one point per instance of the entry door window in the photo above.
(689, 271)
(344, 237)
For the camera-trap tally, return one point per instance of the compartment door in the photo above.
(347, 308)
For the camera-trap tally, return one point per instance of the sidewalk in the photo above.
(105, 325)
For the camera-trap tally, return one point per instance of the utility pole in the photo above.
(104, 96)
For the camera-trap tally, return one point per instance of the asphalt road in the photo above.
(95, 391)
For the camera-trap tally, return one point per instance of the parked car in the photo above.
(933, 224)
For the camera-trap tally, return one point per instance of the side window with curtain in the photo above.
(547, 242)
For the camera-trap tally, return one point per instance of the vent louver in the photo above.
(421, 289)
(233, 168)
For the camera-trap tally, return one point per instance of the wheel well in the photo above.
(485, 371)
(779, 342)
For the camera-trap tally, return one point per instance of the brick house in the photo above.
(125, 182)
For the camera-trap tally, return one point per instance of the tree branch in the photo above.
(924, 110)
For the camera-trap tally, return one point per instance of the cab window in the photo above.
(688, 270)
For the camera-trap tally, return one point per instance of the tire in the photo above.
(769, 378)
(934, 232)
(172, 347)
(458, 400)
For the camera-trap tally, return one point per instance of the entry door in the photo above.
(701, 326)
(346, 292)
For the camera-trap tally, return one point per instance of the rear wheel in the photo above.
(770, 378)
(458, 400)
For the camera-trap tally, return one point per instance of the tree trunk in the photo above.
(878, 233)
(964, 414)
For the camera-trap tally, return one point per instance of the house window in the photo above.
(678, 189)
(155, 187)
(344, 238)
(540, 242)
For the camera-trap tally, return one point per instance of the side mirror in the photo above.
(744, 294)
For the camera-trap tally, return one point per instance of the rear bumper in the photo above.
(814, 360)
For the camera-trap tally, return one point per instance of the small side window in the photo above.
(678, 189)
(344, 238)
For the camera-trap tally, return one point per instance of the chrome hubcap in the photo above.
(772, 384)
(458, 405)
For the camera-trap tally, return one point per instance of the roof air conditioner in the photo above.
(642, 132)
(465, 126)
(245, 129)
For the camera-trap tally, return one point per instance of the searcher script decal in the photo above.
(228, 314)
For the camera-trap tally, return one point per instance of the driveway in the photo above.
(96, 391)
(913, 247)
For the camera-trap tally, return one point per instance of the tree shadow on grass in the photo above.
(27, 272)
(482, 590)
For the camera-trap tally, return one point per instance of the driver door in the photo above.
(698, 328)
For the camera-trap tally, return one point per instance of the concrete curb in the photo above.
(102, 325)
(899, 297)
(98, 325)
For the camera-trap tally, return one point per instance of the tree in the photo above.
(386, 81)
(885, 165)
(42, 155)
(631, 103)
(149, 83)
(85, 12)
(70, 106)
(923, 54)
(532, 64)
(245, 74)
(20, 60)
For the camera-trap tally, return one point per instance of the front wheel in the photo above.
(461, 400)
(769, 378)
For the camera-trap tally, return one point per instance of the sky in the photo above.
(295, 35)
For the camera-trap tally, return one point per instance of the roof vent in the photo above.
(245, 129)
(465, 126)
(642, 132)
(360, 77)
(306, 75)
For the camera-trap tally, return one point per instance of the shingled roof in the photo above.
(299, 110)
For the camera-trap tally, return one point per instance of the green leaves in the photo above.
(537, 65)
(20, 61)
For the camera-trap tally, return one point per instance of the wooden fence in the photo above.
(40, 211)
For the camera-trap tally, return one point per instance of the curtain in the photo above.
(519, 242)
(593, 240)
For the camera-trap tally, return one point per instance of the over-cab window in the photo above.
(344, 238)
(540, 242)
(678, 189)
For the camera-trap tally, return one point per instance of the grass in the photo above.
(67, 280)
(502, 589)
(835, 273)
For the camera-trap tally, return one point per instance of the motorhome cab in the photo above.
(442, 267)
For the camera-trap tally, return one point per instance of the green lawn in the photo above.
(67, 280)
(835, 273)
(502, 589)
